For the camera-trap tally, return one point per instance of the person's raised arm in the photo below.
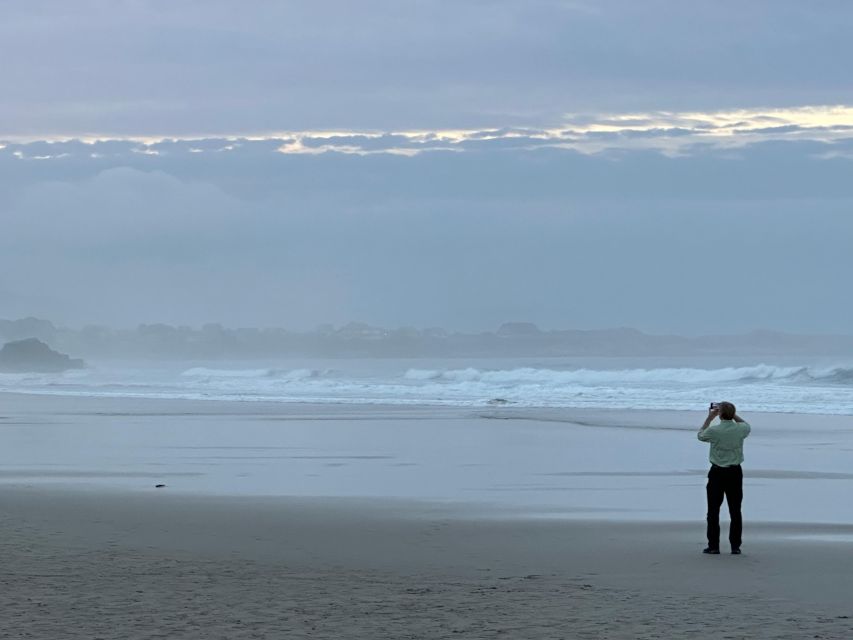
(713, 412)
(744, 423)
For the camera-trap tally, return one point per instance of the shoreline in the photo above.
(573, 415)
(620, 465)
(369, 404)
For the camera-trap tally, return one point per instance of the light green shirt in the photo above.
(726, 438)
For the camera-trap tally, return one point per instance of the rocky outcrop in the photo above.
(33, 355)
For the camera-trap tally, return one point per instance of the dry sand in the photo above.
(95, 564)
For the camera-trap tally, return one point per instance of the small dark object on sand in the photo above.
(159, 486)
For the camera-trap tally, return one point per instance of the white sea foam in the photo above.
(204, 372)
(598, 377)
(281, 374)
(761, 386)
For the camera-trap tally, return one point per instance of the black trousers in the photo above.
(725, 482)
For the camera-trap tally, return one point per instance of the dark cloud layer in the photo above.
(158, 67)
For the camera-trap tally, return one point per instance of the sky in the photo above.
(675, 167)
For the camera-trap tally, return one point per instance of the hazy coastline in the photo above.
(152, 342)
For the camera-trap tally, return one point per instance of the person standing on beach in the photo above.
(726, 476)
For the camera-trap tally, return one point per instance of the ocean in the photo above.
(789, 385)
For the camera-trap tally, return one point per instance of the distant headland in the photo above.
(360, 340)
(33, 355)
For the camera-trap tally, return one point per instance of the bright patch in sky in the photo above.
(671, 132)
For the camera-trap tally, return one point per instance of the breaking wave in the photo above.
(597, 377)
(764, 387)
(280, 374)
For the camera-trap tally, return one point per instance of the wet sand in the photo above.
(389, 522)
(88, 564)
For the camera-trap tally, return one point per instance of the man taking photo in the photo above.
(726, 476)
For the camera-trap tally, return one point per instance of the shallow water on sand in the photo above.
(546, 463)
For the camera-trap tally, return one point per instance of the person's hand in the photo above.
(713, 412)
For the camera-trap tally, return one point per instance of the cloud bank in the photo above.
(671, 132)
(211, 67)
(713, 237)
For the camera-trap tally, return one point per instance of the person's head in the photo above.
(727, 411)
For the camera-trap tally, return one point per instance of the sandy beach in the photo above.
(87, 565)
(92, 550)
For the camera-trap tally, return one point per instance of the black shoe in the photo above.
(714, 552)
(735, 552)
